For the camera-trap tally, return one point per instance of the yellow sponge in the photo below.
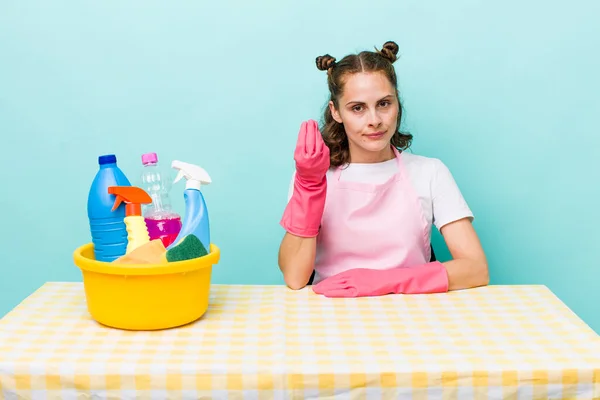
(153, 252)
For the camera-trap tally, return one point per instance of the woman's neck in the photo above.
(361, 156)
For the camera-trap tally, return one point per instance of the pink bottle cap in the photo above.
(149, 158)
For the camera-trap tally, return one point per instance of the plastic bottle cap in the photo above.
(149, 158)
(107, 159)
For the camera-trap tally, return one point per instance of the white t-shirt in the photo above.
(439, 196)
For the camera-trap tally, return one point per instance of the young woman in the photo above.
(360, 208)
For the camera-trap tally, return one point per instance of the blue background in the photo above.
(505, 93)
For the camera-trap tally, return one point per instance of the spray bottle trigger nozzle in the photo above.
(195, 175)
(180, 175)
(132, 196)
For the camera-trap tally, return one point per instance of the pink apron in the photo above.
(378, 226)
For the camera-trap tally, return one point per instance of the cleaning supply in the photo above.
(153, 252)
(145, 297)
(196, 220)
(190, 247)
(133, 197)
(162, 222)
(431, 277)
(108, 230)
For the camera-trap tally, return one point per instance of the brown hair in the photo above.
(334, 134)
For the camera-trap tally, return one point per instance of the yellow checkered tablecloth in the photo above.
(269, 342)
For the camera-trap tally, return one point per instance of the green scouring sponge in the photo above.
(190, 247)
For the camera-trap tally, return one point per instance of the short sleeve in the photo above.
(448, 202)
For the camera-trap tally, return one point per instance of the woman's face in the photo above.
(368, 108)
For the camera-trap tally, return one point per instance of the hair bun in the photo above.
(325, 62)
(389, 51)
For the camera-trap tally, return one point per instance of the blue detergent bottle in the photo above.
(109, 233)
(195, 221)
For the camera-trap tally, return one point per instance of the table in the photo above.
(270, 342)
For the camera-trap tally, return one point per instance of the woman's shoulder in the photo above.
(422, 165)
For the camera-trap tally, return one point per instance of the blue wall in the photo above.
(506, 94)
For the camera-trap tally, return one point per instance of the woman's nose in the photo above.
(374, 118)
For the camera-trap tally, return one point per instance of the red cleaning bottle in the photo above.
(162, 222)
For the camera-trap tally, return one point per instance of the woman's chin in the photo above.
(376, 146)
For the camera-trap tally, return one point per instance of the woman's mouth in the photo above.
(375, 135)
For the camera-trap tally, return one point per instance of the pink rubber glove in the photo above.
(303, 213)
(428, 278)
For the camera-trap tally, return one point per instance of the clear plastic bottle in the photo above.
(161, 221)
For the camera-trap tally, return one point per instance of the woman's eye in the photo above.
(357, 108)
(385, 103)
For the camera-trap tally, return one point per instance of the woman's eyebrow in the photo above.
(362, 102)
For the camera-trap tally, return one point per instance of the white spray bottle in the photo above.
(196, 220)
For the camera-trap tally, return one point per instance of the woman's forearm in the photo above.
(464, 273)
(468, 267)
(297, 259)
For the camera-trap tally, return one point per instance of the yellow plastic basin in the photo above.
(146, 296)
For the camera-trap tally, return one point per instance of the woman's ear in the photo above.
(334, 113)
